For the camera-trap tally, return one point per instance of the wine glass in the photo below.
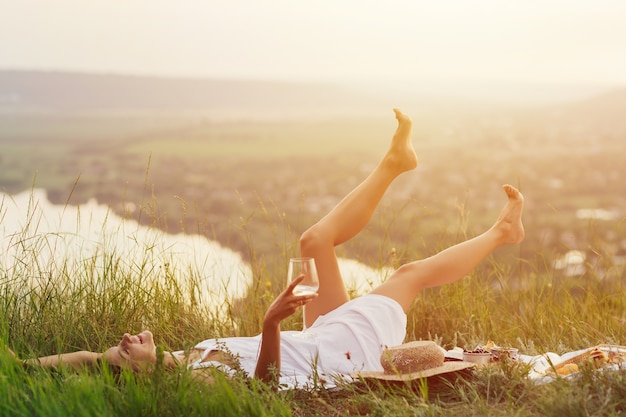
(309, 285)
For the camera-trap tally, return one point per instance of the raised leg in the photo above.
(349, 217)
(457, 261)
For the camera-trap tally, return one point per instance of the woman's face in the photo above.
(137, 351)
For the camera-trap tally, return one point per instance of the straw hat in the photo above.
(413, 360)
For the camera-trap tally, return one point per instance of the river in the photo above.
(43, 237)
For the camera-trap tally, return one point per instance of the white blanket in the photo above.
(542, 366)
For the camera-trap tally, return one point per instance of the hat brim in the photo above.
(447, 367)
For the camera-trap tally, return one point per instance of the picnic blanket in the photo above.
(549, 366)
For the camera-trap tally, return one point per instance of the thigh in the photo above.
(332, 292)
(403, 284)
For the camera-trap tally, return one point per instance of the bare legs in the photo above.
(349, 217)
(457, 261)
(353, 213)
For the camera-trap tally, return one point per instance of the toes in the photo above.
(511, 191)
(401, 117)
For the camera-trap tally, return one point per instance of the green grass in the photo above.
(64, 306)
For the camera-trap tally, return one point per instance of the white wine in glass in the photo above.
(309, 285)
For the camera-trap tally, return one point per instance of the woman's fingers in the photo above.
(290, 300)
(287, 303)
(298, 299)
(304, 299)
(295, 282)
(14, 356)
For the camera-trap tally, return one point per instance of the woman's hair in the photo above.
(105, 366)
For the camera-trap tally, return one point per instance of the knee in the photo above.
(312, 239)
(409, 274)
(401, 272)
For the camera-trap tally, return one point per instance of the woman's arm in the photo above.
(75, 360)
(268, 363)
(286, 304)
(82, 359)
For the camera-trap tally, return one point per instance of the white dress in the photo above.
(347, 339)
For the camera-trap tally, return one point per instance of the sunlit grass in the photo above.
(64, 305)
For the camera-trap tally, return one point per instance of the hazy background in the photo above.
(504, 49)
(245, 121)
(188, 144)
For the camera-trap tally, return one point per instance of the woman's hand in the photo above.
(286, 304)
(18, 360)
(268, 363)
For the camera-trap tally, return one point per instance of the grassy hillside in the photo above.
(48, 308)
(253, 185)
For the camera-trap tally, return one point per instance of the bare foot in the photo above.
(509, 224)
(401, 155)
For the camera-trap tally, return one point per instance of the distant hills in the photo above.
(74, 91)
(604, 109)
(67, 91)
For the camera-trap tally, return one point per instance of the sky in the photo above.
(534, 41)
